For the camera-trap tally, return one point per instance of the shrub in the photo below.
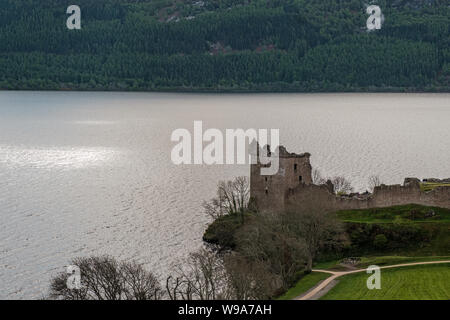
(222, 231)
(380, 241)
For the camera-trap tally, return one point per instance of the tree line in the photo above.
(293, 45)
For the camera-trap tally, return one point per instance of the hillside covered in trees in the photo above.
(225, 45)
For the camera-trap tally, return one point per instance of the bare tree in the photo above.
(215, 208)
(138, 283)
(249, 280)
(267, 240)
(374, 181)
(201, 277)
(232, 198)
(342, 185)
(318, 230)
(206, 275)
(317, 177)
(104, 278)
(177, 288)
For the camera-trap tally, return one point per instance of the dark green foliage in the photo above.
(403, 213)
(365, 237)
(380, 241)
(407, 229)
(233, 45)
(222, 231)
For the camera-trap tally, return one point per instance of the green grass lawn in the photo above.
(428, 186)
(433, 222)
(304, 284)
(391, 260)
(328, 265)
(377, 260)
(397, 214)
(428, 282)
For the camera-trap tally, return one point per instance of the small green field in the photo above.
(304, 284)
(393, 260)
(397, 214)
(334, 265)
(428, 186)
(410, 230)
(427, 282)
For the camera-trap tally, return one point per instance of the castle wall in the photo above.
(309, 197)
(291, 189)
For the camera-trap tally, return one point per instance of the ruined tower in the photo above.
(269, 192)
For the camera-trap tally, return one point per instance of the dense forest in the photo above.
(225, 45)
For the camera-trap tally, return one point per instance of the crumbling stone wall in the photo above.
(292, 190)
(307, 197)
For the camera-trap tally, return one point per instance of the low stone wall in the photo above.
(313, 197)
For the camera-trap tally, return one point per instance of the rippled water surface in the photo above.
(90, 173)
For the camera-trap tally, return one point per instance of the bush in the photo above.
(400, 236)
(222, 231)
(380, 241)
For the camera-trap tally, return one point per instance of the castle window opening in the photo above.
(295, 167)
(300, 178)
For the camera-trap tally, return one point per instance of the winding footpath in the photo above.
(336, 274)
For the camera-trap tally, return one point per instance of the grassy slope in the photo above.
(417, 215)
(394, 287)
(377, 260)
(427, 186)
(415, 283)
(304, 284)
(396, 214)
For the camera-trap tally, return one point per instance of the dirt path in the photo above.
(324, 286)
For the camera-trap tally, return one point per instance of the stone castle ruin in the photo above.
(292, 189)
